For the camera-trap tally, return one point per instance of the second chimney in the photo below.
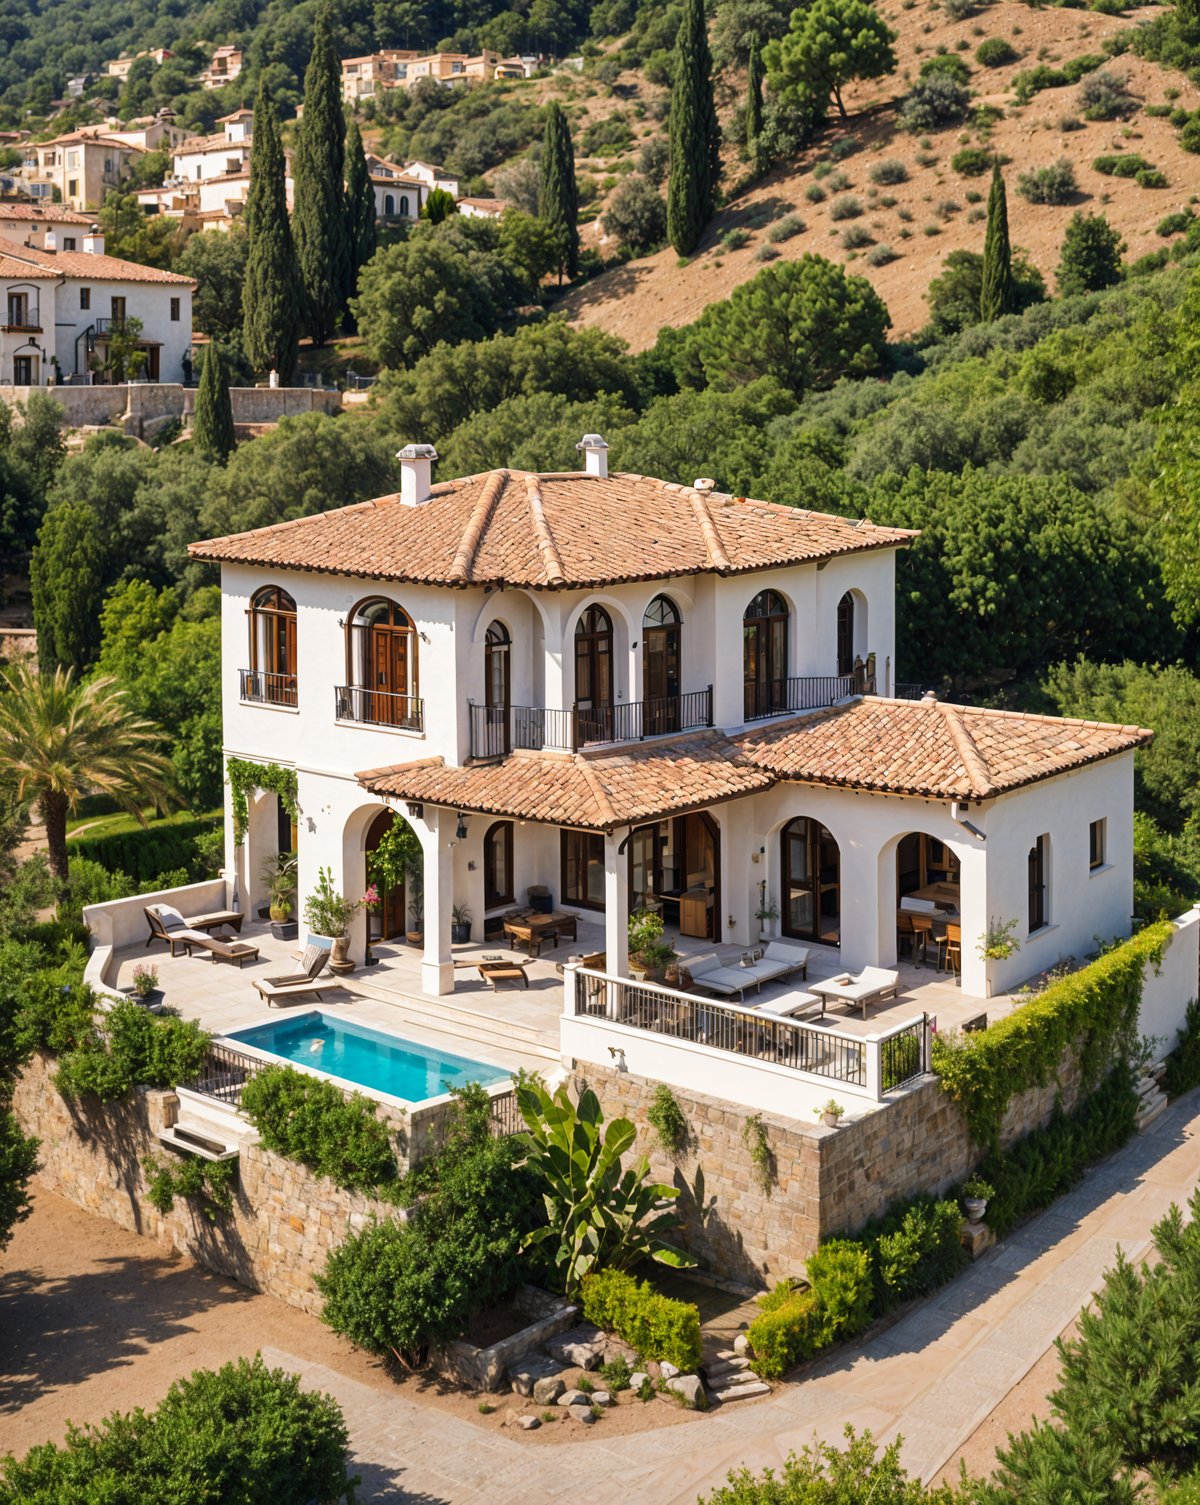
(416, 473)
(50, 243)
(93, 241)
(595, 454)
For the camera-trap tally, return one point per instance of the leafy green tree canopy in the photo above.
(955, 295)
(831, 42)
(1091, 255)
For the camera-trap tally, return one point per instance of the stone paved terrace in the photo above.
(512, 1026)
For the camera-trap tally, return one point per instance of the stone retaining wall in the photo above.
(140, 406)
(285, 1219)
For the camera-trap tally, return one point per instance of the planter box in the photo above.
(485, 1368)
(285, 930)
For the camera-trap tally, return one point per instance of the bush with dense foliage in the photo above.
(914, 1248)
(996, 52)
(1054, 184)
(235, 1436)
(311, 1120)
(1183, 1063)
(934, 101)
(794, 1324)
(636, 214)
(128, 1047)
(655, 1326)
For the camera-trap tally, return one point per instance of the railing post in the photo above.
(575, 727)
(873, 1052)
(709, 720)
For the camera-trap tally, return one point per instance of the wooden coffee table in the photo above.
(496, 969)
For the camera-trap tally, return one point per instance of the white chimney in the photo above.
(51, 241)
(93, 241)
(416, 467)
(595, 454)
(703, 484)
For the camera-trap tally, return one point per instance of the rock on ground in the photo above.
(547, 1390)
(690, 1390)
(580, 1347)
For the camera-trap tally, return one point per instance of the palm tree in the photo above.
(61, 740)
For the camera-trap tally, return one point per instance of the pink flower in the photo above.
(371, 897)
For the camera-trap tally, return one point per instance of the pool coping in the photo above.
(408, 1106)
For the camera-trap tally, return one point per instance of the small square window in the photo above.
(1097, 842)
(174, 310)
(73, 188)
(85, 297)
(68, 242)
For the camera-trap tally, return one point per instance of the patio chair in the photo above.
(297, 984)
(711, 975)
(166, 923)
(950, 949)
(780, 960)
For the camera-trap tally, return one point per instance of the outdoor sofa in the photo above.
(778, 960)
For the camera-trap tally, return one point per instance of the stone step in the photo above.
(1146, 1119)
(718, 1368)
(459, 1023)
(741, 1392)
(733, 1381)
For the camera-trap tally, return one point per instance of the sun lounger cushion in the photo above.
(169, 917)
(790, 1004)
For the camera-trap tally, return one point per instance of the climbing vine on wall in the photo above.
(244, 776)
(1094, 1010)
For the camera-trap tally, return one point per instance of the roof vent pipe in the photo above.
(703, 484)
(416, 473)
(595, 455)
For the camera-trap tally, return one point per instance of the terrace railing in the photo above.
(869, 1065)
(379, 708)
(496, 730)
(264, 688)
(225, 1073)
(809, 692)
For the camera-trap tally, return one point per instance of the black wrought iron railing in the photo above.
(379, 708)
(812, 692)
(259, 685)
(225, 1073)
(496, 730)
(911, 691)
(904, 1056)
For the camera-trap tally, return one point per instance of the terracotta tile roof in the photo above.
(96, 268)
(49, 214)
(11, 269)
(192, 144)
(593, 791)
(93, 135)
(930, 748)
(553, 532)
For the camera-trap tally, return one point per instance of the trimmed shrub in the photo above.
(1123, 165)
(890, 171)
(793, 1325)
(972, 161)
(996, 52)
(240, 1434)
(127, 1047)
(312, 1121)
(143, 854)
(915, 1249)
(1054, 184)
(1189, 136)
(947, 65)
(840, 1276)
(786, 1332)
(654, 1325)
(847, 207)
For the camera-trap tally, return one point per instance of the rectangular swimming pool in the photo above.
(366, 1057)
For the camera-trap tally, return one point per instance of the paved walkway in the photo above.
(932, 1377)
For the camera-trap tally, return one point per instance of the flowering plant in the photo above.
(329, 913)
(371, 898)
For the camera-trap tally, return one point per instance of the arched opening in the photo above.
(675, 871)
(389, 204)
(928, 900)
(497, 690)
(765, 655)
(594, 675)
(498, 865)
(381, 667)
(385, 869)
(404, 206)
(810, 869)
(272, 623)
(661, 666)
(845, 634)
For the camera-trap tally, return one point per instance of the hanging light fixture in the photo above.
(461, 830)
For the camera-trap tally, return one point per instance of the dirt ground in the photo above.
(936, 210)
(94, 1319)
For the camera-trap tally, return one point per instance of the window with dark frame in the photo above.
(1097, 832)
(583, 869)
(498, 865)
(1038, 913)
(174, 310)
(85, 297)
(68, 243)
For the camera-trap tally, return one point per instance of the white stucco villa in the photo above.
(639, 694)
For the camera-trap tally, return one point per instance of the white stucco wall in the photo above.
(149, 302)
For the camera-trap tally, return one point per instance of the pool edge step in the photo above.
(461, 1024)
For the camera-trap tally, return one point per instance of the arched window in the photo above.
(404, 206)
(272, 673)
(594, 674)
(498, 865)
(381, 667)
(389, 204)
(811, 869)
(661, 642)
(765, 655)
(845, 634)
(490, 730)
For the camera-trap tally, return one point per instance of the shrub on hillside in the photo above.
(847, 207)
(1054, 184)
(934, 101)
(996, 52)
(1121, 164)
(972, 161)
(312, 1121)
(1105, 96)
(947, 65)
(636, 215)
(889, 171)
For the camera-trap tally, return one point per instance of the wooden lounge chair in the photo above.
(296, 984)
(166, 923)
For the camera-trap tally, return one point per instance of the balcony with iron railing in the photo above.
(379, 708)
(809, 692)
(259, 687)
(495, 731)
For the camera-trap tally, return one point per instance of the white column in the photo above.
(859, 896)
(616, 907)
(437, 965)
(974, 901)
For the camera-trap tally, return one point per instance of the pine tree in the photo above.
(360, 208)
(212, 423)
(695, 135)
(271, 290)
(319, 217)
(558, 197)
(754, 104)
(996, 296)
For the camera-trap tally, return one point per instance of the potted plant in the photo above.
(976, 1194)
(415, 934)
(766, 914)
(279, 874)
(460, 925)
(830, 1113)
(648, 952)
(145, 984)
(327, 913)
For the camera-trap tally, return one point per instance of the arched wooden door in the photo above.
(386, 920)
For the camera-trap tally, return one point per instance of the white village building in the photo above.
(643, 695)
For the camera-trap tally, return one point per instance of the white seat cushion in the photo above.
(169, 917)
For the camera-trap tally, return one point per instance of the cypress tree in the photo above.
(754, 103)
(271, 290)
(360, 208)
(996, 294)
(212, 422)
(319, 219)
(558, 197)
(695, 135)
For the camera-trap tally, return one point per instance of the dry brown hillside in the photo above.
(937, 210)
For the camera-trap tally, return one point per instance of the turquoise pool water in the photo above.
(367, 1057)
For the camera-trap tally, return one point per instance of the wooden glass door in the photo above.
(594, 675)
(660, 667)
(811, 882)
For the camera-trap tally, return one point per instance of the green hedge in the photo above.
(1094, 1009)
(144, 853)
(313, 1121)
(796, 1324)
(915, 1248)
(239, 1435)
(655, 1325)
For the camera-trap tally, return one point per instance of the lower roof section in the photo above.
(921, 748)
